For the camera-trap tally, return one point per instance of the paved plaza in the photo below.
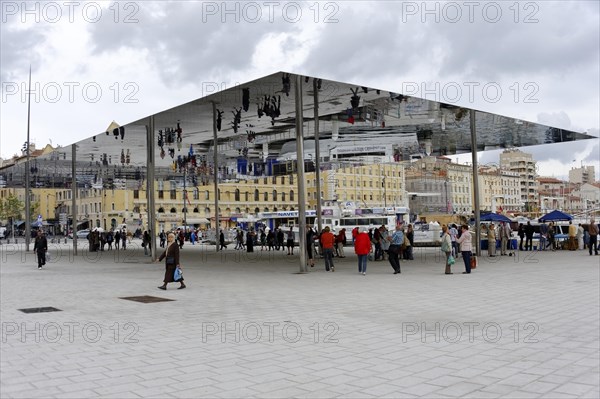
(248, 325)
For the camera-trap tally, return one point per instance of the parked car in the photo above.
(80, 234)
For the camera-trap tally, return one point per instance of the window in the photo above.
(265, 196)
(196, 194)
(173, 194)
(256, 195)
(206, 195)
(292, 195)
(292, 180)
(274, 195)
(136, 209)
(266, 209)
(161, 194)
(196, 210)
(282, 197)
(256, 210)
(274, 179)
(136, 194)
(237, 195)
(246, 196)
(112, 206)
(282, 179)
(173, 210)
(219, 194)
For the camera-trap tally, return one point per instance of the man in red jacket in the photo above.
(327, 242)
(362, 248)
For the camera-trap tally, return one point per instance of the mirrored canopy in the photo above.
(256, 125)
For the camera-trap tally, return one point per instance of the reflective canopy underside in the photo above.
(349, 115)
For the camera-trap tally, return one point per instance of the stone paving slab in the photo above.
(249, 325)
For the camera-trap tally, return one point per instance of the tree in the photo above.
(11, 208)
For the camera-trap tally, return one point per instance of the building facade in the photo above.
(523, 163)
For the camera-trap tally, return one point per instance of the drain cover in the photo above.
(40, 310)
(146, 299)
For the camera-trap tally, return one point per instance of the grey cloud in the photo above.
(18, 52)
(182, 46)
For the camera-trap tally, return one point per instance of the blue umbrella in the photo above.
(494, 217)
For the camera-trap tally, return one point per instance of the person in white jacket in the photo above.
(465, 247)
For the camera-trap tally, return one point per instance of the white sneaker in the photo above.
(364, 273)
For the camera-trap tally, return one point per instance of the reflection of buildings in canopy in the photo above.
(362, 126)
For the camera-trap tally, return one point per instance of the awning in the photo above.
(197, 220)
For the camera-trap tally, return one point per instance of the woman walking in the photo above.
(171, 256)
(362, 248)
(465, 247)
(447, 248)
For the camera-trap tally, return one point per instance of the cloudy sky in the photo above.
(94, 62)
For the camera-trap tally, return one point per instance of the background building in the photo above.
(582, 175)
(522, 163)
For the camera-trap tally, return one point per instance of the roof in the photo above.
(257, 118)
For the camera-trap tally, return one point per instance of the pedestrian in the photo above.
(117, 239)
(543, 242)
(280, 238)
(171, 257)
(362, 248)
(124, 239)
(163, 238)
(310, 243)
(521, 234)
(290, 241)
(40, 247)
(271, 240)
(327, 240)
(222, 240)
(146, 242)
(505, 235)
(385, 243)
(409, 241)
(263, 239)
(465, 247)
(529, 236)
(109, 240)
(453, 231)
(250, 240)
(551, 236)
(491, 240)
(593, 232)
(580, 236)
(181, 237)
(395, 250)
(446, 248)
(340, 241)
(377, 242)
(572, 243)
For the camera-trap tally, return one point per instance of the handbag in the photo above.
(451, 260)
(474, 262)
(178, 275)
(445, 247)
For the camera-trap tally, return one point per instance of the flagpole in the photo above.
(27, 178)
